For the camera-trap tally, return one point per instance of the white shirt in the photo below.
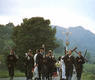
(35, 58)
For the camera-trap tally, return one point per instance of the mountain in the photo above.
(80, 37)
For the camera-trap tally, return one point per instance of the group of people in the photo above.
(71, 65)
(42, 66)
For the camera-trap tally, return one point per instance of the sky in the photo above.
(64, 13)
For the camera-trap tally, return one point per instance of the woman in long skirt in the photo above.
(63, 68)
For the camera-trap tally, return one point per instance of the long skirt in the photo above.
(63, 72)
(35, 73)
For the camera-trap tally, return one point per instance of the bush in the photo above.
(88, 76)
(89, 68)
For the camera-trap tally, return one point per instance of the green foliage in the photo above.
(88, 72)
(88, 76)
(89, 68)
(88, 57)
(5, 41)
(5, 37)
(32, 33)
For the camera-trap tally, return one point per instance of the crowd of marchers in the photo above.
(44, 66)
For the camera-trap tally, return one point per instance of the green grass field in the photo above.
(4, 74)
(88, 76)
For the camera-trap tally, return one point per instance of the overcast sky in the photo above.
(64, 13)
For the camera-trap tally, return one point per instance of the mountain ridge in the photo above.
(80, 37)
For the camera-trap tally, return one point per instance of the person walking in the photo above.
(69, 61)
(29, 65)
(11, 62)
(79, 65)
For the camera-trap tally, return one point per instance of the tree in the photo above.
(5, 37)
(32, 33)
(5, 41)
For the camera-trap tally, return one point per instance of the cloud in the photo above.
(61, 12)
(8, 7)
(58, 16)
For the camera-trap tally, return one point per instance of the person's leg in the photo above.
(79, 76)
(36, 79)
(67, 74)
(47, 76)
(39, 72)
(70, 74)
(42, 76)
(26, 74)
(11, 78)
(50, 76)
(63, 79)
(70, 77)
(30, 74)
(39, 76)
(67, 77)
(11, 72)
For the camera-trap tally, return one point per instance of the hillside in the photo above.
(79, 37)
